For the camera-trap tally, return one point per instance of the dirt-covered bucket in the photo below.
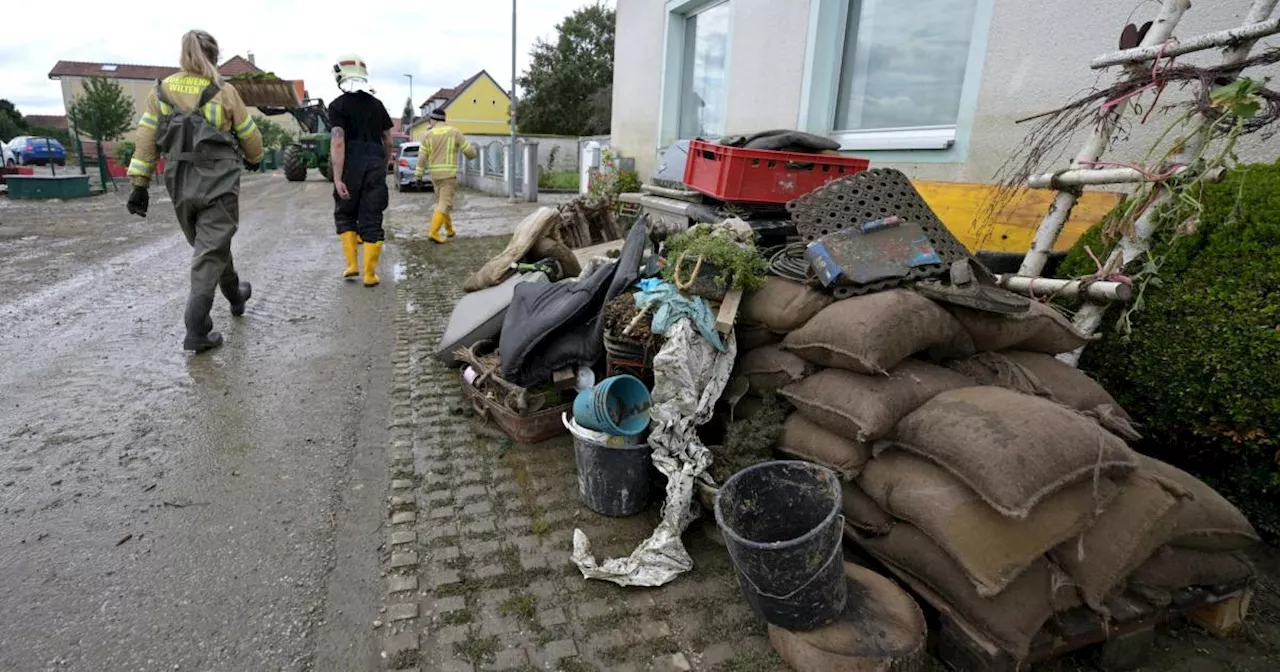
(614, 472)
(782, 525)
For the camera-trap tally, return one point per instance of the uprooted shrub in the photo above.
(1201, 366)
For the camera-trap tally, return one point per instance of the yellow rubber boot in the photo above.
(448, 225)
(371, 253)
(350, 239)
(437, 222)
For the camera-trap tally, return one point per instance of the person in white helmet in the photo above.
(360, 149)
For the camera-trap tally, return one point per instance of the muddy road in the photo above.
(160, 510)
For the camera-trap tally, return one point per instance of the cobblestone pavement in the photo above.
(479, 532)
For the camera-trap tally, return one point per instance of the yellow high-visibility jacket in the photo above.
(439, 152)
(226, 111)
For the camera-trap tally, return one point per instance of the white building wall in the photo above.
(1037, 58)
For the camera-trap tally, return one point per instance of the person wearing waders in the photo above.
(360, 150)
(201, 127)
(439, 156)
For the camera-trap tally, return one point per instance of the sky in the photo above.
(440, 43)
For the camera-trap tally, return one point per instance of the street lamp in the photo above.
(413, 111)
(511, 169)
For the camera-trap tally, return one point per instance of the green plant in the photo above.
(103, 110)
(738, 264)
(124, 152)
(613, 180)
(1197, 364)
(551, 158)
(274, 136)
(564, 181)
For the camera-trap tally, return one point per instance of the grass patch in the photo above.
(539, 526)
(476, 650)
(405, 659)
(755, 661)
(459, 617)
(575, 665)
(644, 651)
(559, 180)
(523, 605)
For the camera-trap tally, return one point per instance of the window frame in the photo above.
(677, 13)
(820, 90)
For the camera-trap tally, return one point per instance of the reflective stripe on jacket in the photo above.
(439, 152)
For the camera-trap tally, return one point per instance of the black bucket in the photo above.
(613, 480)
(782, 524)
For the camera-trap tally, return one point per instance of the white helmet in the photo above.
(351, 73)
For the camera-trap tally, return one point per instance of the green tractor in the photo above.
(312, 148)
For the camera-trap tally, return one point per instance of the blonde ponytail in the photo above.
(199, 54)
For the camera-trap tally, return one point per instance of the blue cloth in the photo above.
(670, 306)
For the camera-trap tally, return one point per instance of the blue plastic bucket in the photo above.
(617, 406)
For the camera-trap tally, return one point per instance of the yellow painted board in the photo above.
(960, 206)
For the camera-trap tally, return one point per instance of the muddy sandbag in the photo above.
(1012, 449)
(1174, 568)
(991, 549)
(866, 407)
(862, 513)
(1010, 620)
(550, 248)
(770, 368)
(874, 333)
(1208, 522)
(881, 630)
(752, 335)
(993, 368)
(1040, 329)
(1065, 383)
(805, 440)
(1139, 520)
(528, 232)
(782, 305)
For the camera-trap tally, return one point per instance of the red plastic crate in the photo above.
(761, 175)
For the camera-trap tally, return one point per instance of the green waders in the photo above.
(202, 175)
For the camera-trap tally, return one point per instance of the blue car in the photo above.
(33, 150)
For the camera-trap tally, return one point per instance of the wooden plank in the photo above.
(728, 311)
(1225, 616)
(564, 379)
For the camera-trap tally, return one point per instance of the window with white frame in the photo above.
(898, 76)
(704, 65)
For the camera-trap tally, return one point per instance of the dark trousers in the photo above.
(209, 230)
(366, 177)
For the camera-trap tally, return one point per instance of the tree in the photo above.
(104, 111)
(274, 136)
(11, 122)
(567, 89)
(406, 117)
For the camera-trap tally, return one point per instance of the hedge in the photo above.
(1201, 368)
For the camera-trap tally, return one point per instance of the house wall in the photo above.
(482, 108)
(1036, 58)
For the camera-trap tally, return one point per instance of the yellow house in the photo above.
(477, 106)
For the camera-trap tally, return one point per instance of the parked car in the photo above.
(406, 162)
(7, 159)
(37, 150)
(397, 140)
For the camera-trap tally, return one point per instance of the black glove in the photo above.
(139, 201)
(252, 166)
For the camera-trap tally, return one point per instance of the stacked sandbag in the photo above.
(765, 317)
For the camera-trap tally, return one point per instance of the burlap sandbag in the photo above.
(752, 335)
(1138, 521)
(1012, 449)
(770, 368)
(1067, 384)
(1010, 620)
(528, 232)
(866, 407)
(782, 305)
(991, 549)
(881, 630)
(1174, 568)
(1040, 329)
(873, 333)
(993, 368)
(862, 513)
(1208, 522)
(805, 440)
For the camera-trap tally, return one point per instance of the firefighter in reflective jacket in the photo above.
(200, 126)
(439, 155)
